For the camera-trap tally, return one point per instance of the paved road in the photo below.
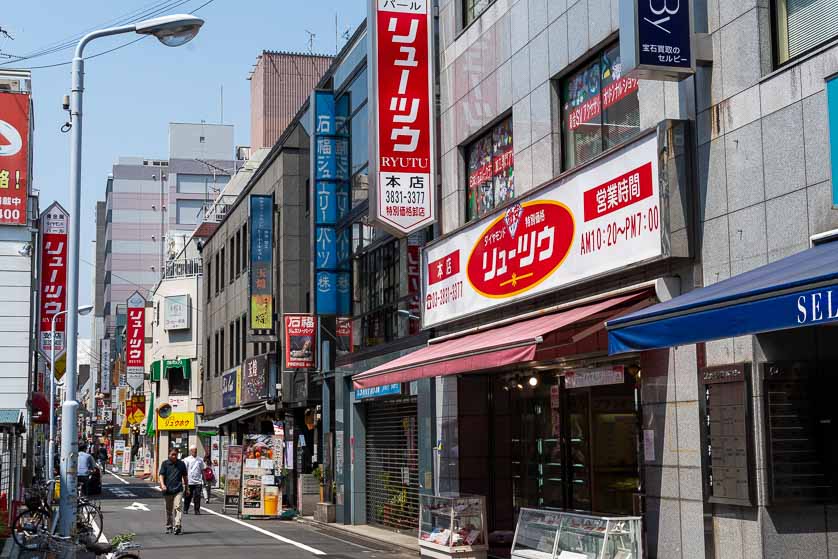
(213, 535)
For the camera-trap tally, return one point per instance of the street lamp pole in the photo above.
(174, 30)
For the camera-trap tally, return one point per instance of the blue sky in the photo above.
(133, 93)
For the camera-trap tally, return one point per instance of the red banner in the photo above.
(616, 194)
(445, 267)
(14, 157)
(402, 90)
(53, 280)
(300, 341)
(343, 332)
(612, 93)
(135, 350)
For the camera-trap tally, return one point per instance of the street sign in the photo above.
(135, 336)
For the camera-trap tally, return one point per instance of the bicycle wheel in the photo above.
(28, 526)
(90, 521)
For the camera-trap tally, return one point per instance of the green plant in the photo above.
(317, 472)
(123, 538)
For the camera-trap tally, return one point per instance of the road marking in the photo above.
(102, 538)
(120, 492)
(277, 537)
(137, 506)
(117, 477)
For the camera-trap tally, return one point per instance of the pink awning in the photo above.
(505, 345)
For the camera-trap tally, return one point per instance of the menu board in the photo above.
(727, 424)
(233, 480)
(260, 493)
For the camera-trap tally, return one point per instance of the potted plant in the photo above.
(317, 472)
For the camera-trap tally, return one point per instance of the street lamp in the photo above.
(83, 311)
(174, 30)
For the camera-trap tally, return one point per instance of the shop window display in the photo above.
(491, 170)
(452, 524)
(600, 109)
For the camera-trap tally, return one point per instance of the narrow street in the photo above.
(130, 505)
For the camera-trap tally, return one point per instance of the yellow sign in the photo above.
(124, 429)
(261, 312)
(60, 365)
(178, 421)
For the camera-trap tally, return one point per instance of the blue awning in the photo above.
(789, 293)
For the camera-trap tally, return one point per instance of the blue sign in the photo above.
(261, 259)
(832, 111)
(332, 199)
(230, 388)
(344, 250)
(326, 287)
(656, 39)
(326, 248)
(376, 391)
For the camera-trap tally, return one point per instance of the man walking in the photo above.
(195, 476)
(172, 478)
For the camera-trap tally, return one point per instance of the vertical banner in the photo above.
(105, 367)
(53, 287)
(401, 92)
(343, 333)
(330, 169)
(300, 341)
(261, 260)
(233, 479)
(414, 284)
(135, 341)
(215, 457)
(15, 151)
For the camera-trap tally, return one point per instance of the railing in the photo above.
(215, 212)
(183, 268)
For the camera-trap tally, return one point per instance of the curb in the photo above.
(365, 537)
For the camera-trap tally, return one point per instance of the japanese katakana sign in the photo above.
(53, 280)
(255, 379)
(14, 157)
(604, 218)
(177, 421)
(105, 367)
(656, 39)
(135, 341)
(402, 171)
(261, 262)
(300, 341)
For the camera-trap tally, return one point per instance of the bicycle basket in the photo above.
(33, 497)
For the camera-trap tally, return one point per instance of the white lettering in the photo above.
(816, 307)
(801, 309)
(829, 309)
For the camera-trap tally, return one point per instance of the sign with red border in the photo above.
(15, 153)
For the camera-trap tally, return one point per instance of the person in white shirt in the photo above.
(195, 479)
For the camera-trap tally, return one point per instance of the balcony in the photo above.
(215, 212)
(184, 268)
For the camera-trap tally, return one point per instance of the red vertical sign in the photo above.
(401, 86)
(53, 280)
(14, 157)
(135, 341)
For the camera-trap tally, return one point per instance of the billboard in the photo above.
(15, 127)
(261, 261)
(53, 288)
(401, 159)
(176, 313)
(300, 341)
(135, 341)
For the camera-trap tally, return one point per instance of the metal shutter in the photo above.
(392, 458)
(810, 23)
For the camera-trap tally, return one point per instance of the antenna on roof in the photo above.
(311, 37)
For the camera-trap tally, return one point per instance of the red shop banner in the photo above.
(401, 90)
(135, 341)
(343, 332)
(14, 157)
(53, 279)
(300, 341)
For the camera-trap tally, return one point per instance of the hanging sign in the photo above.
(401, 92)
(15, 155)
(105, 367)
(343, 333)
(176, 312)
(657, 39)
(261, 258)
(53, 278)
(135, 341)
(300, 341)
(255, 379)
(231, 388)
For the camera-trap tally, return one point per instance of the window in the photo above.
(244, 247)
(802, 25)
(491, 170)
(178, 384)
(208, 185)
(237, 253)
(221, 270)
(243, 321)
(209, 278)
(231, 249)
(216, 368)
(360, 139)
(473, 8)
(600, 109)
(207, 357)
(234, 342)
(379, 290)
(218, 271)
(238, 338)
(188, 211)
(221, 349)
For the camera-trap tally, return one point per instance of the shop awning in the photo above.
(155, 371)
(244, 413)
(792, 292)
(496, 347)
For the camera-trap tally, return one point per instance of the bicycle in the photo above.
(59, 546)
(38, 515)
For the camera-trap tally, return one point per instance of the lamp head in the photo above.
(85, 310)
(172, 31)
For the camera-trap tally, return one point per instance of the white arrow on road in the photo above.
(138, 506)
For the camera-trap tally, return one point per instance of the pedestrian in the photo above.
(102, 455)
(195, 474)
(209, 478)
(173, 483)
(85, 468)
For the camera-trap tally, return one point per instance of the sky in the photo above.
(133, 93)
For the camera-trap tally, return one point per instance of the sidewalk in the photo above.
(405, 541)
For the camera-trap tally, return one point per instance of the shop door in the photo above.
(180, 441)
(392, 463)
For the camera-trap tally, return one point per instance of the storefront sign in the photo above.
(105, 367)
(261, 259)
(135, 409)
(343, 333)
(135, 340)
(656, 39)
(595, 377)
(600, 220)
(376, 391)
(255, 375)
(233, 478)
(177, 421)
(176, 312)
(231, 388)
(300, 341)
(53, 275)
(179, 403)
(401, 91)
(15, 153)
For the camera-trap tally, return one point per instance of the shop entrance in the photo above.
(180, 441)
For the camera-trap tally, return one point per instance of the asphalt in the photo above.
(131, 505)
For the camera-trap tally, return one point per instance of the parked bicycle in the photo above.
(54, 545)
(39, 515)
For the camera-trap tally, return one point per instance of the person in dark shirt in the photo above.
(173, 482)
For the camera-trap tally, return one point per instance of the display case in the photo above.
(545, 534)
(452, 526)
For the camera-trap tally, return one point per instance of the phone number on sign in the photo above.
(444, 296)
(614, 232)
(401, 197)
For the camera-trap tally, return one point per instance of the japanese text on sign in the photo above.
(300, 341)
(261, 258)
(402, 88)
(53, 276)
(14, 157)
(135, 341)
